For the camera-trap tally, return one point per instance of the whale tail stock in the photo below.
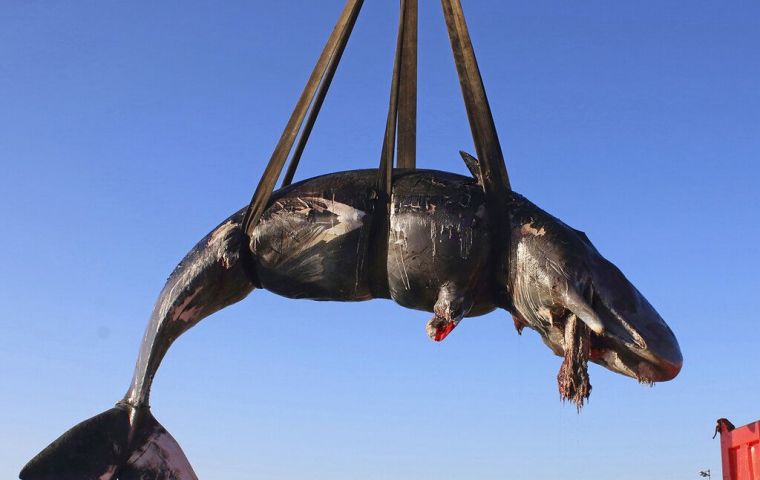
(106, 447)
(126, 442)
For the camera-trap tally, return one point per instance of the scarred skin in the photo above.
(446, 252)
(315, 241)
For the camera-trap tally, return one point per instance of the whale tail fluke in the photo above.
(156, 455)
(100, 448)
(91, 449)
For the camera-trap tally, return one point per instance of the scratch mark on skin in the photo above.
(321, 230)
(229, 257)
(433, 237)
(218, 240)
(181, 312)
(349, 218)
(222, 231)
(191, 314)
(529, 229)
(401, 246)
(407, 284)
(465, 242)
(108, 473)
(360, 261)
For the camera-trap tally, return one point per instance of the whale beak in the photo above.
(634, 339)
(583, 306)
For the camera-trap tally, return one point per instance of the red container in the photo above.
(740, 450)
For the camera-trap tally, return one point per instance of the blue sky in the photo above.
(129, 130)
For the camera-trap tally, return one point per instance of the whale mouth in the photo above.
(573, 340)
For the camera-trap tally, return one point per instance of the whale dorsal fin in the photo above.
(473, 165)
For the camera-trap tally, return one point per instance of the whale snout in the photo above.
(558, 276)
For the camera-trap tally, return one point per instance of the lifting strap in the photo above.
(336, 43)
(407, 96)
(324, 86)
(402, 117)
(493, 168)
(402, 108)
(402, 111)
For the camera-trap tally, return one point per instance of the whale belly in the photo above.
(439, 237)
